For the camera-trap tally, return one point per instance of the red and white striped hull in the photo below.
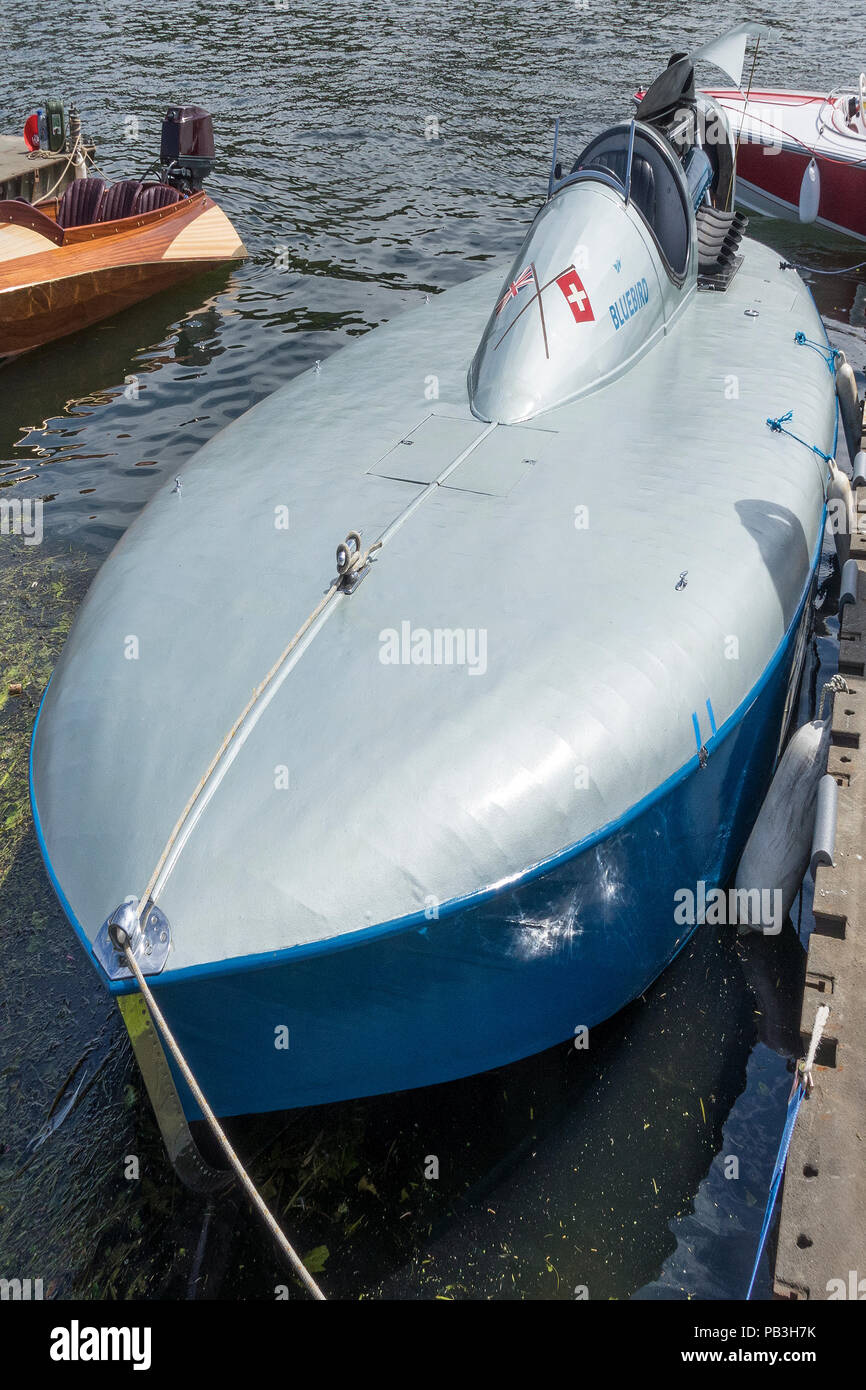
(780, 134)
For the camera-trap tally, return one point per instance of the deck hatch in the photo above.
(501, 460)
(426, 451)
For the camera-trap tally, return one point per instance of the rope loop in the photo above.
(835, 685)
(350, 558)
(800, 1089)
(829, 354)
(348, 548)
(778, 427)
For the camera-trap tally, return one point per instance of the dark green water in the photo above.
(600, 1170)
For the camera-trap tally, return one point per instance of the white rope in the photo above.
(804, 1068)
(70, 160)
(820, 1022)
(122, 941)
(834, 686)
(350, 560)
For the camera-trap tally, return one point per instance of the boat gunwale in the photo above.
(758, 94)
(827, 143)
(15, 213)
(74, 236)
(97, 235)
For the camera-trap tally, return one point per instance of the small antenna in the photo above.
(628, 161)
(552, 179)
(728, 199)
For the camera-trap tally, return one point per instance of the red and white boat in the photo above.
(802, 155)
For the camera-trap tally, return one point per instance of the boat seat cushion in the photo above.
(643, 188)
(156, 195)
(119, 200)
(81, 202)
(642, 177)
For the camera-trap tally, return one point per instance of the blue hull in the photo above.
(515, 972)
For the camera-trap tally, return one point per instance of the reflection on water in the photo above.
(601, 1170)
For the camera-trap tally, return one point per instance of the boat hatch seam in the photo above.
(265, 691)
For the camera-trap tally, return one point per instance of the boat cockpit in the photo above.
(186, 158)
(675, 164)
(614, 255)
(89, 201)
(647, 174)
(845, 114)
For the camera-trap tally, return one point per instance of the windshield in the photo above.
(646, 171)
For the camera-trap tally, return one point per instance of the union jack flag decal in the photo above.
(524, 278)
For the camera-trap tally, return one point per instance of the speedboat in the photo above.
(70, 263)
(380, 821)
(802, 155)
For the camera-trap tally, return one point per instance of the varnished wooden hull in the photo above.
(48, 290)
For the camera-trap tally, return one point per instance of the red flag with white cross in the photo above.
(576, 296)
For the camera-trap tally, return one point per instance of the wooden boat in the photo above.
(56, 279)
(68, 264)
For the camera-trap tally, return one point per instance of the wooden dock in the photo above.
(822, 1231)
(31, 174)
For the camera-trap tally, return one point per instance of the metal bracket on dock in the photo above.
(848, 589)
(824, 833)
(149, 938)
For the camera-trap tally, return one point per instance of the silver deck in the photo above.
(410, 784)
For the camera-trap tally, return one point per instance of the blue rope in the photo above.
(813, 269)
(829, 354)
(776, 1180)
(777, 426)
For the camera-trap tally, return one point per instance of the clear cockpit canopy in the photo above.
(602, 268)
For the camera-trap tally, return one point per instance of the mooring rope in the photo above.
(778, 427)
(45, 197)
(828, 353)
(350, 560)
(801, 1087)
(121, 941)
(813, 269)
(833, 686)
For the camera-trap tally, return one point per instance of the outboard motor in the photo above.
(186, 149)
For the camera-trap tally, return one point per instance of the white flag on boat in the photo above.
(728, 52)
